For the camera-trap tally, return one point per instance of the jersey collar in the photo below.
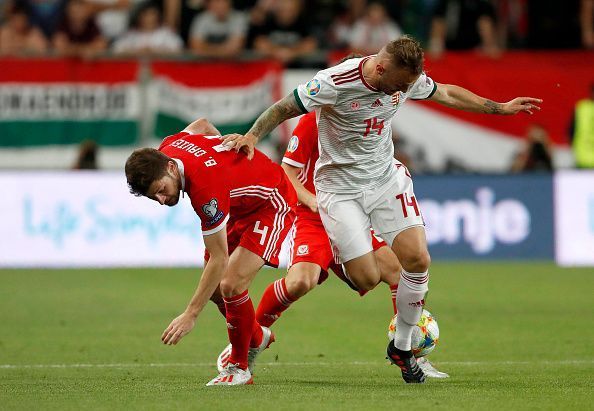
(180, 167)
(365, 83)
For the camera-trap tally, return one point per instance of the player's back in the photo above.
(211, 167)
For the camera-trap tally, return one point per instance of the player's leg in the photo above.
(347, 225)
(240, 314)
(301, 278)
(397, 219)
(390, 268)
(241, 318)
(411, 248)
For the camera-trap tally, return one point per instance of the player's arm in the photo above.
(304, 196)
(216, 244)
(280, 111)
(460, 98)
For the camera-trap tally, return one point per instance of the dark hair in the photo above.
(140, 8)
(143, 167)
(406, 52)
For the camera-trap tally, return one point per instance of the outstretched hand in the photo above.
(178, 328)
(238, 142)
(519, 104)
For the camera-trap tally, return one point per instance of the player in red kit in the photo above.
(246, 210)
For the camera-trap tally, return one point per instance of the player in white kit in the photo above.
(359, 186)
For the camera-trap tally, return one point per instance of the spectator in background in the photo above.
(112, 16)
(78, 34)
(582, 132)
(341, 28)
(463, 25)
(87, 156)
(374, 30)
(552, 25)
(219, 31)
(536, 153)
(45, 14)
(148, 35)
(285, 34)
(18, 36)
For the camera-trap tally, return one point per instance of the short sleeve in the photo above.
(423, 88)
(302, 142)
(239, 24)
(319, 91)
(212, 206)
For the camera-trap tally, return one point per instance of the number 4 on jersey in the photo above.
(373, 124)
(407, 201)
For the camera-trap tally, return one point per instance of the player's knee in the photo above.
(367, 283)
(301, 286)
(417, 262)
(229, 288)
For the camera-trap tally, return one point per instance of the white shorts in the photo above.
(389, 210)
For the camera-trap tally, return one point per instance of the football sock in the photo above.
(409, 300)
(393, 291)
(275, 300)
(257, 335)
(240, 326)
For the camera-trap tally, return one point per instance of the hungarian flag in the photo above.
(229, 95)
(65, 101)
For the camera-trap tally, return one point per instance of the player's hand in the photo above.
(238, 142)
(312, 204)
(178, 328)
(525, 104)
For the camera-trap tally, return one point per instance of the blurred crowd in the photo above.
(292, 31)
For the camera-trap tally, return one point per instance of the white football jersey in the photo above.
(354, 126)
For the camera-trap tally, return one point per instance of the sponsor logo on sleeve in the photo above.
(293, 144)
(313, 87)
(211, 209)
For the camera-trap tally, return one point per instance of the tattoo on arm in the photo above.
(280, 111)
(493, 107)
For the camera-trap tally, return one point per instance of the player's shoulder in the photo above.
(170, 139)
(347, 69)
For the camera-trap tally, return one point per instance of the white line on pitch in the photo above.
(287, 364)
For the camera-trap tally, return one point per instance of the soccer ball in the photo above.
(424, 337)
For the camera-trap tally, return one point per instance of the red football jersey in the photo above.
(220, 182)
(302, 152)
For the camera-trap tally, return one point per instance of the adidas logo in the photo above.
(376, 103)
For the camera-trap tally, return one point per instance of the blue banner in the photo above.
(488, 217)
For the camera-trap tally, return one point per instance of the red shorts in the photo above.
(263, 232)
(310, 244)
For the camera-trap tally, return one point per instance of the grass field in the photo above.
(513, 336)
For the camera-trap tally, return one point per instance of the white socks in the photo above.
(409, 301)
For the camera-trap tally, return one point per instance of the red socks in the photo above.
(393, 290)
(275, 300)
(240, 326)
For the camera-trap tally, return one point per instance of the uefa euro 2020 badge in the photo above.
(211, 209)
(293, 144)
(313, 87)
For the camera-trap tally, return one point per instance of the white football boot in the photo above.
(232, 375)
(429, 370)
(267, 339)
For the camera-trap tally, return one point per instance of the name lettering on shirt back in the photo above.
(196, 150)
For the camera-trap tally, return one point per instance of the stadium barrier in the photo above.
(88, 219)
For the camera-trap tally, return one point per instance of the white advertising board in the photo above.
(574, 218)
(78, 219)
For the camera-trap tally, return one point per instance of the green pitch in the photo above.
(513, 336)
